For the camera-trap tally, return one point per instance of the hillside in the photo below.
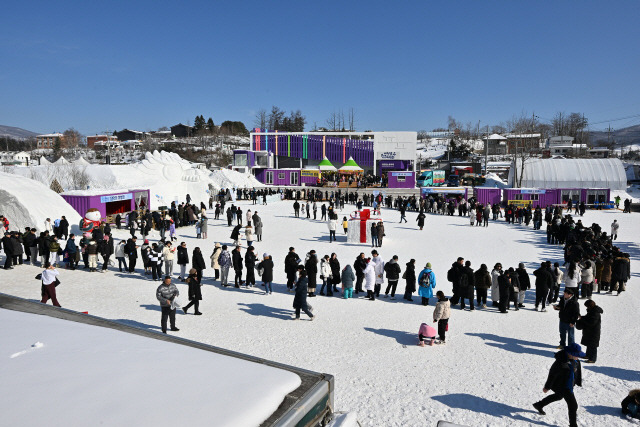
(16, 133)
(625, 136)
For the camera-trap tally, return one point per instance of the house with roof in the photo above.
(49, 140)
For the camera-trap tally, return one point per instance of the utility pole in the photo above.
(486, 150)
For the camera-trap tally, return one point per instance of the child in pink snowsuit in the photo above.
(426, 333)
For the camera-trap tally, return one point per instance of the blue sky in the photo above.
(400, 65)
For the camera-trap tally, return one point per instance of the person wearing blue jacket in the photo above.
(426, 284)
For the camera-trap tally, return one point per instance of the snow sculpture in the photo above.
(90, 221)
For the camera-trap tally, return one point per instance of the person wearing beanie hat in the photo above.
(569, 312)
(525, 283)
(565, 373)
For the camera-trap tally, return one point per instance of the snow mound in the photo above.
(227, 178)
(494, 181)
(27, 203)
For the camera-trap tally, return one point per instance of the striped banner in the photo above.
(288, 145)
(276, 143)
(344, 150)
(324, 146)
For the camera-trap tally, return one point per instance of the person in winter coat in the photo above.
(300, 298)
(250, 263)
(236, 260)
(235, 235)
(311, 267)
(605, 276)
(168, 252)
(49, 279)
(131, 249)
(525, 283)
(544, 282)
(426, 284)
(558, 276)
(370, 280)
(106, 250)
(266, 268)
(495, 291)
(467, 286)
(620, 273)
(197, 262)
(183, 260)
(225, 264)
(92, 251)
(420, 219)
(456, 275)
(380, 229)
(291, 261)
(345, 225)
(586, 279)
(195, 292)
(374, 235)
(410, 279)
(441, 315)
(155, 261)
(54, 249)
(71, 249)
(333, 225)
(615, 226)
(565, 373)
(215, 256)
(392, 270)
(482, 280)
(504, 288)
(571, 278)
(325, 275)
(631, 404)
(359, 266)
(248, 231)
(120, 253)
(426, 333)
(347, 278)
(257, 224)
(378, 266)
(166, 294)
(590, 326)
(144, 252)
(334, 263)
(569, 312)
(514, 288)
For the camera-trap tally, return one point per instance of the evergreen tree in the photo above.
(55, 186)
(210, 126)
(199, 124)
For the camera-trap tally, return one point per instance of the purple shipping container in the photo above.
(488, 195)
(108, 203)
(401, 179)
(544, 198)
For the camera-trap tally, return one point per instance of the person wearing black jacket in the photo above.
(569, 312)
(359, 265)
(63, 227)
(456, 275)
(565, 373)
(131, 249)
(335, 273)
(590, 325)
(236, 261)
(544, 282)
(266, 265)
(8, 251)
(183, 260)
(106, 250)
(631, 404)
(250, 263)
(482, 281)
(311, 267)
(467, 286)
(392, 270)
(291, 262)
(525, 283)
(514, 288)
(195, 291)
(504, 286)
(410, 279)
(197, 262)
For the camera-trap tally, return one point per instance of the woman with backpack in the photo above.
(426, 284)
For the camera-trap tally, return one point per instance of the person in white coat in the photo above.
(48, 226)
(169, 254)
(571, 278)
(378, 265)
(370, 280)
(332, 224)
(325, 273)
(615, 226)
(495, 290)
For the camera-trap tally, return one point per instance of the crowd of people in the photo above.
(592, 265)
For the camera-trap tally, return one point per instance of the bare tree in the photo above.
(71, 138)
(260, 120)
(333, 121)
(352, 119)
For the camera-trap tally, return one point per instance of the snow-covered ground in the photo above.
(491, 370)
(87, 375)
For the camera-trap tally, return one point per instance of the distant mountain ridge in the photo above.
(625, 136)
(16, 133)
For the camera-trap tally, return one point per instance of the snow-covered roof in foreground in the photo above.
(573, 173)
(99, 376)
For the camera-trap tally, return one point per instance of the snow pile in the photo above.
(434, 148)
(494, 181)
(227, 178)
(97, 375)
(167, 176)
(28, 203)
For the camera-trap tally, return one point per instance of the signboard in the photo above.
(443, 190)
(401, 173)
(116, 198)
(306, 172)
(525, 191)
(388, 155)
